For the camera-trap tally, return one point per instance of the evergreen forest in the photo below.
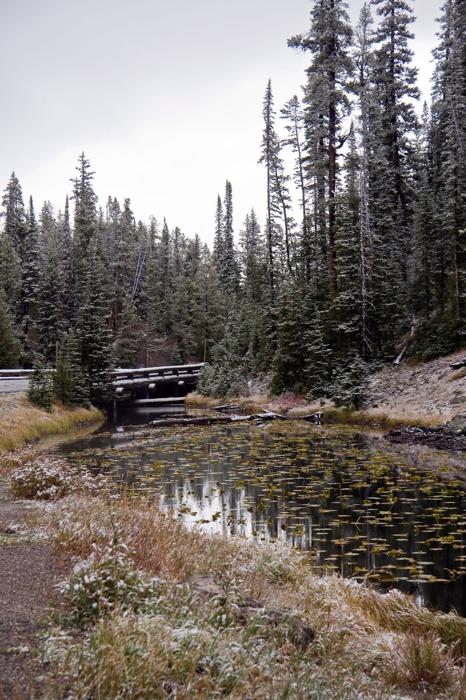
(355, 257)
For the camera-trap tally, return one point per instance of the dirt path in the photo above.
(27, 578)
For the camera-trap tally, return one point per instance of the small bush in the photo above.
(104, 583)
(45, 478)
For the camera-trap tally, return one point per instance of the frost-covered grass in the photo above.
(24, 423)
(133, 624)
(42, 477)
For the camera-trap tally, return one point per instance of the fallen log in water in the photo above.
(191, 420)
(227, 407)
(232, 418)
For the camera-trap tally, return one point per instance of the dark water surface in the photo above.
(393, 516)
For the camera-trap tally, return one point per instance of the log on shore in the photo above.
(459, 365)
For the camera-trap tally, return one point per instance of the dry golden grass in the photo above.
(374, 419)
(22, 423)
(196, 400)
(367, 644)
(460, 374)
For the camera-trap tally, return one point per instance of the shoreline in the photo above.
(251, 602)
(200, 582)
(22, 423)
(294, 407)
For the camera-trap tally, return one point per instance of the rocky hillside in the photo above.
(432, 390)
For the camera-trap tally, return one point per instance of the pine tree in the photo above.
(85, 226)
(278, 199)
(293, 115)
(10, 274)
(229, 267)
(226, 375)
(94, 335)
(364, 61)
(50, 313)
(30, 283)
(129, 339)
(10, 347)
(218, 236)
(448, 143)
(326, 105)
(70, 385)
(346, 311)
(350, 386)
(40, 392)
(393, 124)
(15, 214)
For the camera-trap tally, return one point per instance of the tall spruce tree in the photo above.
(326, 104)
(10, 347)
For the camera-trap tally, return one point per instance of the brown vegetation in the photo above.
(21, 422)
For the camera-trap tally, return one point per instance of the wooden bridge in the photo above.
(152, 384)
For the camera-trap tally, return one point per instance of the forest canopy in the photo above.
(361, 254)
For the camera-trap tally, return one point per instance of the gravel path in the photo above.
(27, 578)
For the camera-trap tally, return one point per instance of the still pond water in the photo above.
(395, 517)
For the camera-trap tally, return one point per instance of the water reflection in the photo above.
(367, 510)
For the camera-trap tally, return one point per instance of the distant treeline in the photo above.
(370, 260)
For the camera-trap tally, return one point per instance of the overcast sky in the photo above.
(164, 97)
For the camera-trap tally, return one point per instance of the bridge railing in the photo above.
(157, 372)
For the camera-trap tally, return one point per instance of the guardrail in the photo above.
(15, 373)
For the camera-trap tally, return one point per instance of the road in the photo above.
(9, 386)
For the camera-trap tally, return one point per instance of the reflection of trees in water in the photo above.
(352, 502)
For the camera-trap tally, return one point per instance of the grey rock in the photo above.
(458, 424)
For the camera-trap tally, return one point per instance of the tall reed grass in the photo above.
(23, 423)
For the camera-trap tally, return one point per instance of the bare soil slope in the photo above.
(431, 390)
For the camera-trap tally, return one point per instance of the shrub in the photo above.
(46, 478)
(43, 478)
(104, 583)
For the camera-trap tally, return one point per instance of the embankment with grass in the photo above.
(21, 422)
(149, 609)
(292, 406)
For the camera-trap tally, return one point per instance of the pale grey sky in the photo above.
(164, 97)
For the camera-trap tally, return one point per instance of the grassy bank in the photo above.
(135, 625)
(21, 422)
(331, 415)
(135, 622)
